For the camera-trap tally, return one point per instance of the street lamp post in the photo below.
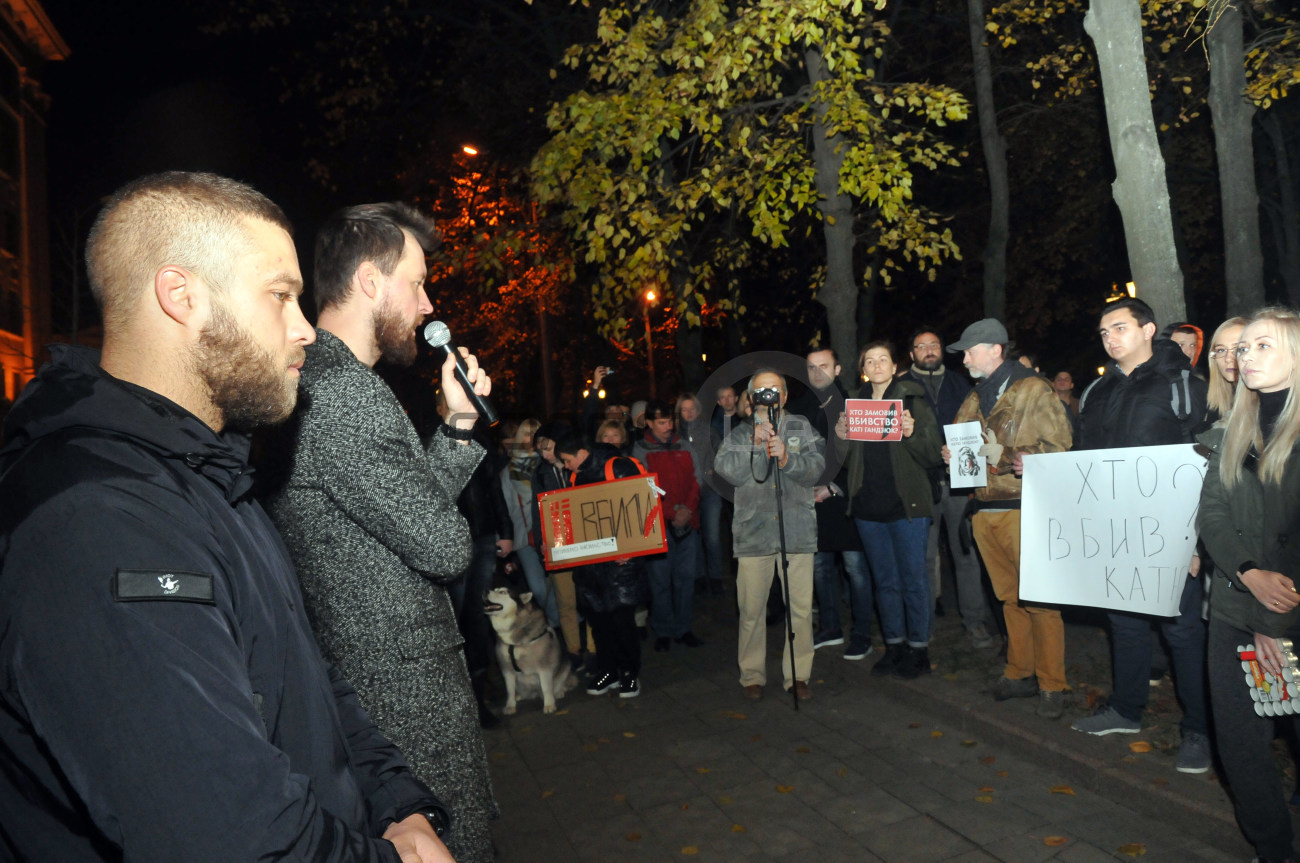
(649, 347)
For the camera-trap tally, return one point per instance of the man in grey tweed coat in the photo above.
(369, 513)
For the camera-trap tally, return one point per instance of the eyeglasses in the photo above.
(924, 345)
(1221, 352)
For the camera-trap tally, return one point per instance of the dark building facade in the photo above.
(27, 42)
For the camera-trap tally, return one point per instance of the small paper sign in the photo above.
(967, 468)
(874, 419)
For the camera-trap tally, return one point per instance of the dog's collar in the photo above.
(513, 663)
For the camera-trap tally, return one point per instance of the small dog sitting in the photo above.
(527, 649)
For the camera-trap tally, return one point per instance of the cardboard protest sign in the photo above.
(874, 419)
(967, 468)
(1110, 528)
(602, 521)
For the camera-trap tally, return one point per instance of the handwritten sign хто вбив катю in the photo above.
(874, 419)
(1110, 528)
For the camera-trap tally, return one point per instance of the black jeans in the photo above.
(466, 595)
(1244, 742)
(1186, 636)
(618, 646)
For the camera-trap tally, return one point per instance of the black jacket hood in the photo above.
(72, 395)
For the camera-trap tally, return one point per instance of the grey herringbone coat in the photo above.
(369, 516)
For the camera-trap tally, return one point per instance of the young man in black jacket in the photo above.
(1148, 397)
(161, 694)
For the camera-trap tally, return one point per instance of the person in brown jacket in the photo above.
(1019, 414)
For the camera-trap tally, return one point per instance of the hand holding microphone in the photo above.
(461, 366)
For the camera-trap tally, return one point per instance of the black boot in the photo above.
(894, 654)
(915, 662)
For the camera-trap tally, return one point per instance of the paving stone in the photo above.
(915, 840)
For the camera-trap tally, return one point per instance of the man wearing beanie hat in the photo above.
(1019, 413)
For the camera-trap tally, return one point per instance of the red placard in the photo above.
(602, 521)
(874, 419)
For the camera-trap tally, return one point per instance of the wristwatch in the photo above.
(438, 819)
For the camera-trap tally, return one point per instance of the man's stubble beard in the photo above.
(245, 382)
(394, 336)
(928, 365)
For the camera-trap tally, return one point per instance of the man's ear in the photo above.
(179, 293)
(1151, 333)
(369, 280)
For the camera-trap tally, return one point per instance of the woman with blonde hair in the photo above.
(1223, 366)
(1250, 504)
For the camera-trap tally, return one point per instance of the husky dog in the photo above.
(527, 649)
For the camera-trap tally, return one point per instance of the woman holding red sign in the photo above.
(1250, 504)
(891, 500)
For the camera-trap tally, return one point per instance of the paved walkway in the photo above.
(872, 769)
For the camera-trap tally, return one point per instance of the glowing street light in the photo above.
(650, 298)
(469, 150)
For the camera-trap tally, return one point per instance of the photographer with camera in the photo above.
(773, 464)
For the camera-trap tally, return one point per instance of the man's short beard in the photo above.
(976, 373)
(929, 365)
(244, 380)
(394, 336)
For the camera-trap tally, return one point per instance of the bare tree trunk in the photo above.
(840, 292)
(1233, 144)
(1140, 188)
(1286, 223)
(995, 163)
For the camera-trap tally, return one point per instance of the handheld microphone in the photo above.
(438, 335)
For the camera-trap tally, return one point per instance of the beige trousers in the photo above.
(753, 581)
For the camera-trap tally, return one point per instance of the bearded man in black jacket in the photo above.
(161, 694)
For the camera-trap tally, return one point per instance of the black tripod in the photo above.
(774, 469)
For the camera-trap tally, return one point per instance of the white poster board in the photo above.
(966, 467)
(1110, 528)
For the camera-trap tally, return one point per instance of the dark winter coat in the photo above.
(911, 458)
(369, 515)
(609, 585)
(1159, 402)
(162, 695)
(674, 464)
(835, 528)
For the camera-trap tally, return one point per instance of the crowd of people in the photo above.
(201, 662)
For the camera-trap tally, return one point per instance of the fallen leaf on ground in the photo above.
(737, 828)
(1140, 746)
(936, 734)
(1159, 781)
(987, 759)
(983, 798)
(986, 789)
(913, 725)
(685, 806)
(1054, 841)
(590, 747)
(755, 738)
(629, 734)
(842, 772)
(1133, 849)
(784, 789)
(620, 798)
(690, 850)
(734, 714)
(803, 750)
(602, 739)
(564, 712)
(703, 770)
(724, 801)
(949, 676)
(1129, 759)
(969, 744)
(632, 837)
(1002, 773)
(547, 793)
(1063, 789)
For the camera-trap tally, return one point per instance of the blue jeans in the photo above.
(896, 552)
(1131, 635)
(539, 584)
(826, 583)
(711, 531)
(672, 585)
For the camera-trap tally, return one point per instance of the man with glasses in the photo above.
(945, 393)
